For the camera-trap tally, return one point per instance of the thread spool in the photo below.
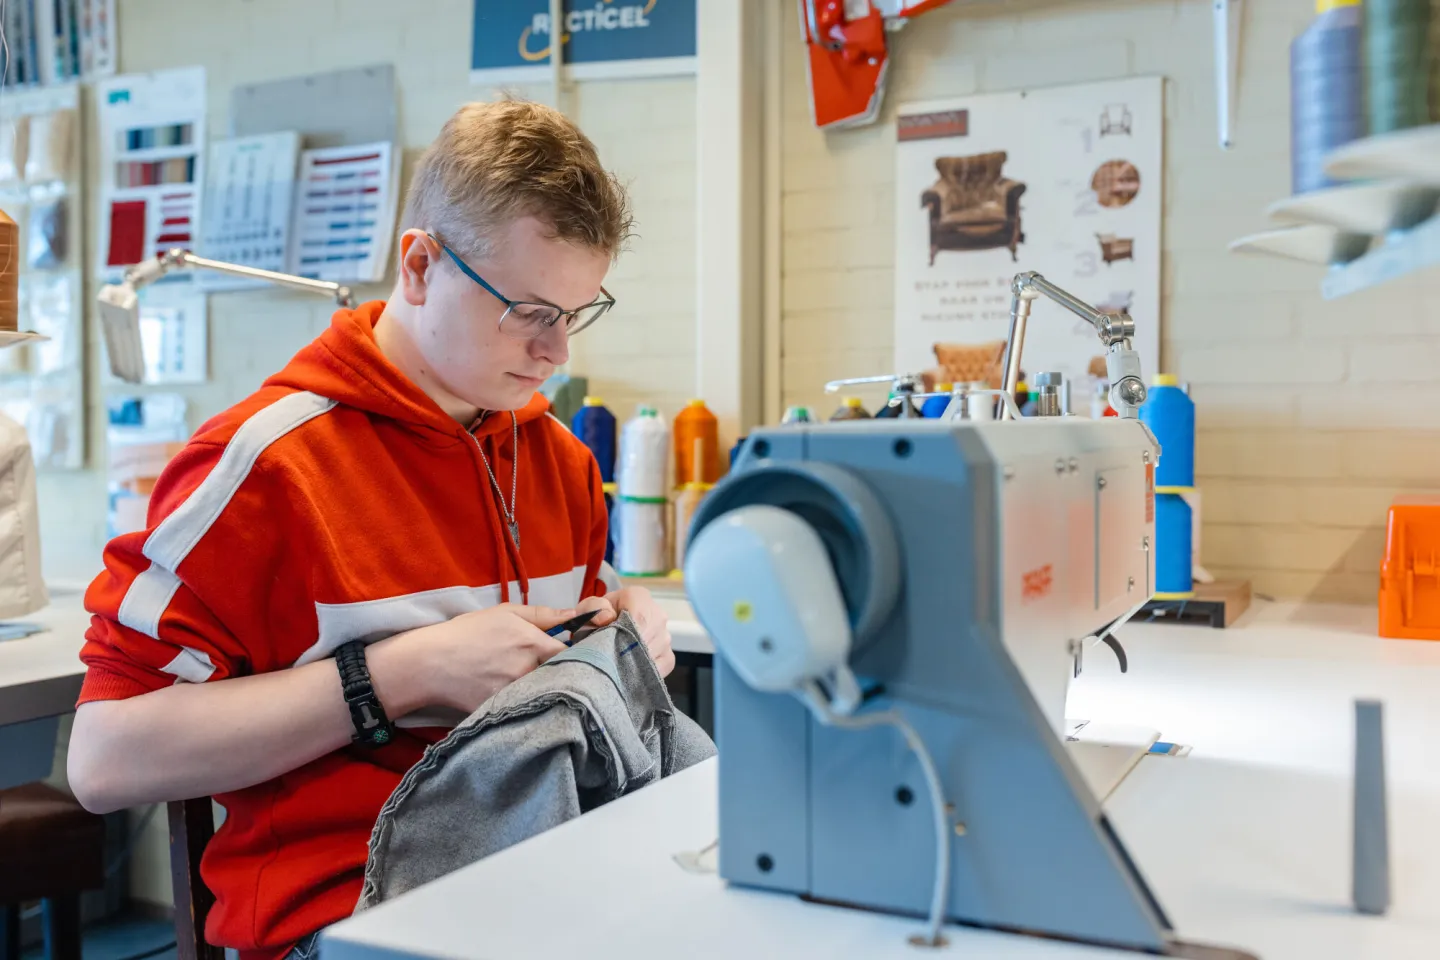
(796, 415)
(934, 407)
(1100, 401)
(640, 537)
(644, 455)
(610, 525)
(687, 501)
(850, 409)
(595, 426)
(897, 405)
(1435, 62)
(1399, 56)
(1327, 108)
(9, 274)
(1174, 557)
(979, 406)
(1170, 414)
(696, 426)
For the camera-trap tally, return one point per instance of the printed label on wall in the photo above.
(1065, 181)
(602, 39)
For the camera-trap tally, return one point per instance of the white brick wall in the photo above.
(1313, 414)
(645, 131)
(1321, 410)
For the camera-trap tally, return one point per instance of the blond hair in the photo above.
(494, 163)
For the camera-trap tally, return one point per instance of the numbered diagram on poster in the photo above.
(1065, 181)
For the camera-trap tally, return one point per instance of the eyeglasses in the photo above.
(523, 320)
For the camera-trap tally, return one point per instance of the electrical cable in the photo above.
(5, 44)
(815, 697)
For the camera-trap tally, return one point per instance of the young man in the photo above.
(398, 483)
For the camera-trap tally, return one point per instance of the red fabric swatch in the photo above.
(127, 233)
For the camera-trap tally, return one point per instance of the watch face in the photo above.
(382, 735)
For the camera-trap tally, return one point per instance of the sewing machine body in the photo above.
(1012, 542)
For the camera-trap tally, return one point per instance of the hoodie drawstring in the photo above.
(505, 548)
(511, 547)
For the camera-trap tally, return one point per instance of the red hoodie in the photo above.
(338, 502)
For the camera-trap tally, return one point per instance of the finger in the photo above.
(542, 617)
(606, 615)
(665, 663)
(544, 651)
(659, 645)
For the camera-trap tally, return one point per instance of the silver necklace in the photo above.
(508, 512)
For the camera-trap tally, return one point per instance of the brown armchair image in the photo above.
(966, 363)
(1114, 248)
(972, 207)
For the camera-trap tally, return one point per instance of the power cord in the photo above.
(819, 704)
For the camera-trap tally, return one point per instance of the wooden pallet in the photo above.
(1218, 604)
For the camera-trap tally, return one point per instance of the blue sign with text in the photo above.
(511, 34)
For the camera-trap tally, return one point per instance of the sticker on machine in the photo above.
(1036, 584)
(1149, 493)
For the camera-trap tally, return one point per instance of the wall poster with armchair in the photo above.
(1045, 179)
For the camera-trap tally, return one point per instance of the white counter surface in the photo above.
(40, 674)
(1246, 841)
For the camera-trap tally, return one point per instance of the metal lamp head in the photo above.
(120, 324)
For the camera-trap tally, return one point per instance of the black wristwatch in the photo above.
(372, 726)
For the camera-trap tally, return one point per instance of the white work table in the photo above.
(1246, 841)
(40, 677)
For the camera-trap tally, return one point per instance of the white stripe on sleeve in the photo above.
(171, 542)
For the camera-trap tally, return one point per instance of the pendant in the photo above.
(515, 533)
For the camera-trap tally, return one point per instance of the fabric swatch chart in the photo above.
(55, 41)
(247, 206)
(345, 212)
(152, 140)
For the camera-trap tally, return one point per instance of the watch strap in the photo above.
(372, 726)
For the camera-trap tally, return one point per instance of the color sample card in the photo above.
(345, 212)
(173, 334)
(58, 41)
(96, 29)
(152, 138)
(247, 206)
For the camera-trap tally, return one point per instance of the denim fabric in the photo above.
(592, 724)
(306, 949)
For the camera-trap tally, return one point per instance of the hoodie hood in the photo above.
(345, 364)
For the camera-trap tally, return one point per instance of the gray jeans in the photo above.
(307, 949)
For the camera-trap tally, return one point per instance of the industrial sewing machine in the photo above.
(941, 577)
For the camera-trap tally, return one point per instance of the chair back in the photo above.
(192, 824)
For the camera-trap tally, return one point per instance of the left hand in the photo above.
(650, 620)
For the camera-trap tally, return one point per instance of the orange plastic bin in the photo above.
(1410, 571)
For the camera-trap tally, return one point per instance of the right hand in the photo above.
(464, 661)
